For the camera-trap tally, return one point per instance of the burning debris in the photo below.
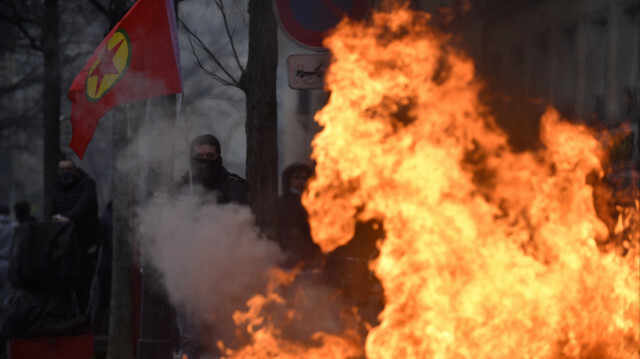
(486, 253)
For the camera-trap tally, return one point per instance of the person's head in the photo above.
(22, 211)
(294, 178)
(66, 170)
(206, 162)
(204, 146)
(4, 210)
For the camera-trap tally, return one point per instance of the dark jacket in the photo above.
(228, 187)
(293, 232)
(78, 201)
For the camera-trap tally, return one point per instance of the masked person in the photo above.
(75, 199)
(210, 181)
(292, 227)
(208, 177)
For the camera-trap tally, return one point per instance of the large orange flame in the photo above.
(487, 253)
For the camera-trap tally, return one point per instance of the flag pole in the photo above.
(186, 131)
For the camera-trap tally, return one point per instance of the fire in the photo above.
(267, 320)
(487, 253)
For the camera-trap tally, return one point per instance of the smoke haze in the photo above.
(210, 256)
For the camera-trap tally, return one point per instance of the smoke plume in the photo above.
(211, 257)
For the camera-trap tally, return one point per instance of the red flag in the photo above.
(138, 59)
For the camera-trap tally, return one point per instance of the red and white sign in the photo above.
(308, 21)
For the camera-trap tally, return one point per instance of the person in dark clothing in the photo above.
(292, 227)
(22, 211)
(41, 301)
(209, 180)
(75, 199)
(209, 177)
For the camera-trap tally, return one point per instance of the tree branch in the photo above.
(207, 71)
(19, 22)
(192, 36)
(103, 9)
(31, 78)
(229, 34)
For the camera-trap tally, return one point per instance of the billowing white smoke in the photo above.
(211, 257)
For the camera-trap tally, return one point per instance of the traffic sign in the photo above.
(306, 71)
(308, 21)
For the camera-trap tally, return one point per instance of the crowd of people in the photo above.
(55, 272)
(67, 291)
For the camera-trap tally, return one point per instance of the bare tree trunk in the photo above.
(121, 337)
(51, 98)
(121, 341)
(259, 84)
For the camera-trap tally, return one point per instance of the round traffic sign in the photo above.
(308, 21)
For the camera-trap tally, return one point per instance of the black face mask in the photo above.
(66, 177)
(205, 171)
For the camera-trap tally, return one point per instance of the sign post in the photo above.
(307, 22)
